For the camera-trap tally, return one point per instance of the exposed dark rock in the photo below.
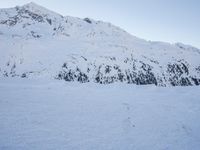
(196, 81)
(107, 69)
(72, 75)
(88, 20)
(23, 75)
(178, 74)
(35, 35)
(23, 14)
(49, 21)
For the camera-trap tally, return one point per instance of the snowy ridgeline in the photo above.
(38, 43)
(52, 114)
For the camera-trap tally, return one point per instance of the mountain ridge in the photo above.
(41, 43)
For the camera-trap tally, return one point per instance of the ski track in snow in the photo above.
(59, 115)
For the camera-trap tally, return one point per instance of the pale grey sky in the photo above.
(158, 20)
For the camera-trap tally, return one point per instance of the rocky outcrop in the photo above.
(136, 72)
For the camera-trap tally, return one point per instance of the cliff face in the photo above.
(38, 43)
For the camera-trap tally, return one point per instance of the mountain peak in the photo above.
(33, 5)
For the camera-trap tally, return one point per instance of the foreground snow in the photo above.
(59, 115)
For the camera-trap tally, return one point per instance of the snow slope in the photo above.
(50, 114)
(38, 43)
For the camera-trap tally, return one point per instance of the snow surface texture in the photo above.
(45, 115)
(38, 43)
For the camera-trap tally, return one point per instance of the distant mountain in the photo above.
(38, 43)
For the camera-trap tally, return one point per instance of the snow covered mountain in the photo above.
(38, 43)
